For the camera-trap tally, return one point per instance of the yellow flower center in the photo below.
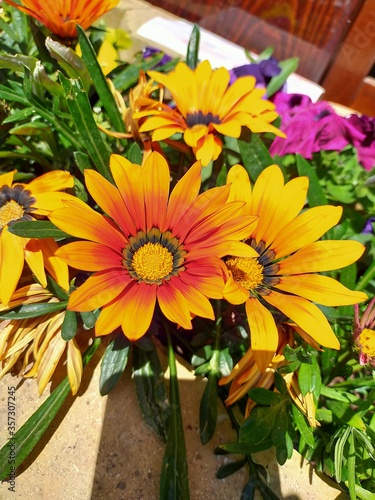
(9, 212)
(367, 341)
(152, 262)
(246, 271)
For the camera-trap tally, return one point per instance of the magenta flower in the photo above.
(366, 146)
(312, 127)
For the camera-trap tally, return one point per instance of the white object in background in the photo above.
(173, 36)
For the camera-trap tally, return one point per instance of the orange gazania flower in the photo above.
(206, 107)
(151, 246)
(62, 16)
(283, 275)
(19, 202)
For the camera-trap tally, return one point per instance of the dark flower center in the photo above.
(256, 274)
(200, 118)
(15, 205)
(153, 257)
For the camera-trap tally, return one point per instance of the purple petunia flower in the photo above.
(365, 147)
(369, 228)
(151, 51)
(262, 71)
(312, 127)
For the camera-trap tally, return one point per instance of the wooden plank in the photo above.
(354, 59)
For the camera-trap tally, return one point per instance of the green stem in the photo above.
(366, 278)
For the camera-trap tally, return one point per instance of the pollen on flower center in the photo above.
(367, 341)
(15, 205)
(246, 271)
(152, 262)
(9, 212)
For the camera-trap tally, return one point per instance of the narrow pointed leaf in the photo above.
(114, 362)
(100, 82)
(174, 482)
(150, 387)
(208, 409)
(254, 154)
(69, 326)
(33, 310)
(80, 109)
(315, 193)
(37, 229)
(193, 48)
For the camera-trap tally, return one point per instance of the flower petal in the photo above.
(307, 316)
(90, 256)
(128, 178)
(263, 332)
(320, 256)
(11, 263)
(98, 290)
(305, 229)
(174, 306)
(156, 180)
(109, 199)
(79, 220)
(320, 289)
(138, 309)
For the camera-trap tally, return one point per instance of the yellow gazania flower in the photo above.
(37, 342)
(62, 16)
(364, 333)
(20, 202)
(246, 375)
(283, 275)
(205, 107)
(151, 246)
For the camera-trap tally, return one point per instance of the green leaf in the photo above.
(33, 310)
(304, 429)
(32, 128)
(174, 483)
(193, 48)
(315, 193)
(254, 154)
(150, 387)
(56, 289)
(114, 362)
(80, 109)
(309, 377)
(346, 414)
(230, 468)
(288, 66)
(339, 452)
(363, 494)
(208, 409)
(37, 229)
(263, 396)
(258, 426)
(134, 154)
(100, 81)
(89, 319)
(27, 437)
(280, 428)
(246, 448)
(82, 160)
(69, 61)
(69, 326)
(351, 467)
